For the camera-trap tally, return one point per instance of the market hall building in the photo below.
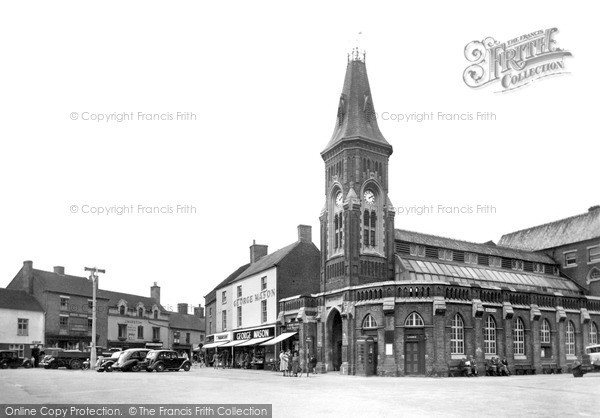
(397, 302)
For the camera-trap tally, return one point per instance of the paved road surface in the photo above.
(326, 395)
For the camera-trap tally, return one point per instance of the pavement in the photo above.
(322, 395)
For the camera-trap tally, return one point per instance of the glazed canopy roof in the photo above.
(438, 271)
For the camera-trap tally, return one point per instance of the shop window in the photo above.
(414, 320)
(369, 322)
(570, 339)
(489, 335)
(457, 336)
(22, 326)
(593, 334)
(519, 337)
(19, 348)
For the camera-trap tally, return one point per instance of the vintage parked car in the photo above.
(10, 358)
(131, 360)
(590, 361)
(161, 360)
(105, 364)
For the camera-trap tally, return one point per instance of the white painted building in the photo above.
(22, 322)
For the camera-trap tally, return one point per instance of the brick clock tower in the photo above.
(357, 221)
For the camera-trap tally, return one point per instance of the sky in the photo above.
(257, 86)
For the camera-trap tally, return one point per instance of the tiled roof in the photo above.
(487, 249)
(186, 321)
(269, 260)
(132, 300)
(427, 270)
(356, 96)
(555, 234)
(18, 299)
(63, 283)
(212, 295)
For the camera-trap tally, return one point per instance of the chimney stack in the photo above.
(305, 233)
(155, 292)
(199, 311)
(257, 251)
(59, 270)
(27, 277)
(182, 308)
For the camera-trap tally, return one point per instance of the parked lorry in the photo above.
(590, 361)
(71, 359)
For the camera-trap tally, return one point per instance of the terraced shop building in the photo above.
(396, 302)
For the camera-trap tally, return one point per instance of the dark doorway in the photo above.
(336, 340)
(414, 355)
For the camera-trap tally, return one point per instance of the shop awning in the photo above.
(254, 341)
(213, 345)
(280, 338)
(233, 343)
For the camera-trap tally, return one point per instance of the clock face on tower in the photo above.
(339, 199)
(369, 197)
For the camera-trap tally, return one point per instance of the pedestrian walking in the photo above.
(295, 364)
(215, 359)
(283, 362)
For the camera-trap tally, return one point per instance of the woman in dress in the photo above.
(283, 362)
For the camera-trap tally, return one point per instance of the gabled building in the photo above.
(136, 321)
(21, 322)
(246, 309)
(67, 302)
(574, 243)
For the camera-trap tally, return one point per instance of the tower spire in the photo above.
(356, 117)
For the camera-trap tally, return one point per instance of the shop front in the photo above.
(248, 350)
(213, 346)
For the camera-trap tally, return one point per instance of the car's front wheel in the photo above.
(186, 367)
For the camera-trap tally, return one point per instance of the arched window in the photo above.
(570, 339)
(457, 336)
(489, 335)
(122, 310)
(369, 322)
(141, 312)
(519, 337)
(593, 333)
(373, 223)
(336, 226)
(366, 229)
(156, 314)
(545, 332)
(414, 320)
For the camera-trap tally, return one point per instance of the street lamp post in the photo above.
(94, 279)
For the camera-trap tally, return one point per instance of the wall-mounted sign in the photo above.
(254, 333)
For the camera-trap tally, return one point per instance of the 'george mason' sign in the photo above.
(265, 294)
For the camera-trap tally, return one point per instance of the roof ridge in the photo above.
(454, 239)
(546, 224)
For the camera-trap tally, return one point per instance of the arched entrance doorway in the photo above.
(334, 328)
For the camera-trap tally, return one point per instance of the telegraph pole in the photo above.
(94, 279)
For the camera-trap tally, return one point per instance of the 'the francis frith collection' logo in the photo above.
(514, 63)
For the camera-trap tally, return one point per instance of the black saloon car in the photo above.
(105, 364)
(161, 360)
(131, 360)
(10, 358)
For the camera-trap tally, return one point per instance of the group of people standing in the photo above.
(295, 364)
